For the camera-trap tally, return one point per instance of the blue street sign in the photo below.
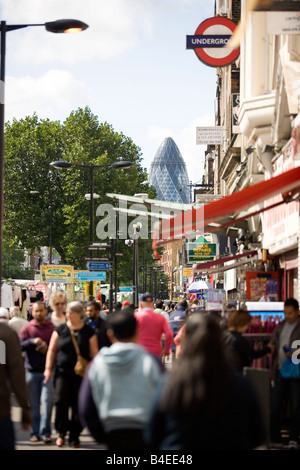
(91, 276)
(94, 266)
(125, 289)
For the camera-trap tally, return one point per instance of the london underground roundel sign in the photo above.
(210, 40)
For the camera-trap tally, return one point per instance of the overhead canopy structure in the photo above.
(157, 210)
(223, 211)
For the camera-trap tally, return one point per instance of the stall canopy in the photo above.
(225, 212)
(206, 265)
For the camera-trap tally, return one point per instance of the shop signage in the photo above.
(210, 42)
(283, 22)
(187, 272)
(215, 299)
(201, 252)
(209, 135)
(56, 273)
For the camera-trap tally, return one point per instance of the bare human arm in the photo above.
(52, 350)
(93, 342)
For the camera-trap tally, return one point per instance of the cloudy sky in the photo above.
(130, 66)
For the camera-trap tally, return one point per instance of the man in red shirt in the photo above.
(151, 326)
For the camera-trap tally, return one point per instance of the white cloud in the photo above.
(114, 27)
(55, 91)
(185, 139)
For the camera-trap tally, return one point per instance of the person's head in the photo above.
(92, 310)
(239, 321)
(75, 312)
(58, 301)
(159, 303)
(14, 312)
(4, 315)
(194, 303)
(291, 310)
(122, 326)
(125, 303)
(201, 375)
(39, 311)
(195, 309)
(117, 306)
(182, 304)
(146, 301)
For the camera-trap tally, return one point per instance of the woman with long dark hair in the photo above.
(203, 403)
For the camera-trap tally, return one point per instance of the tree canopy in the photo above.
(32, 186)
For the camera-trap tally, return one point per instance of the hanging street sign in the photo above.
(91, 276)
(125, 289)
(210, 42)
(95, 265)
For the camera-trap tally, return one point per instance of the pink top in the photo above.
(151, 326)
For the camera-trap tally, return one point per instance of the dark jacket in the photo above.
(12, 373)
(240, 350)
(176, 321)
(238, 426)
(295, 335)
(99, 327)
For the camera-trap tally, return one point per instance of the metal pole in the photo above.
(116, 269)
(50, 233)
(145, 268)
(116, 259)
(91, 287)
(133, 272)
(136, 272)
(112, 258)
(2, 127)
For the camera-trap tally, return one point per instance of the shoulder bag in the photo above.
(82, 363)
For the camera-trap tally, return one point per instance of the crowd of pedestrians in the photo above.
(105, 371)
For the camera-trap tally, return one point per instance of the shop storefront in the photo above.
(281, 228)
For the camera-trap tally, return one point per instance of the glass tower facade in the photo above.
(168, 174)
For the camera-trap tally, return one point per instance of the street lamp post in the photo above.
(59, 26)
(118, 165)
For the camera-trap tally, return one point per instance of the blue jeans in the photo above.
(285, 388)
(41, 400)
(7, 435)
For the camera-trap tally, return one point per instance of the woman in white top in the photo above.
(57, 303)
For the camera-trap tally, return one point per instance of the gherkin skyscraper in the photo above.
(168, 174)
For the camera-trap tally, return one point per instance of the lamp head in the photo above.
(122, 164)
(60, 164)
(65, 26)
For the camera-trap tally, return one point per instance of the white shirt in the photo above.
(57, 321)
(17, 323)
(7, 300)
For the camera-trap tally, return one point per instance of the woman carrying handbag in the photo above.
(71, 347)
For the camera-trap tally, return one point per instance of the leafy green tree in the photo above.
(30, 146)
(12, 261)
